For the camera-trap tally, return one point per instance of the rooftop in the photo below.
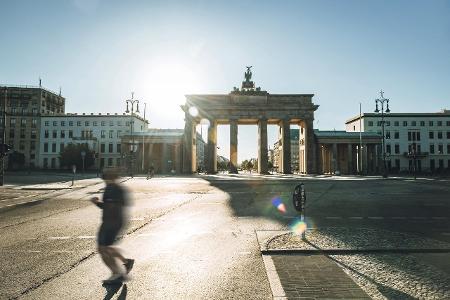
(2, 86)
(442, 113)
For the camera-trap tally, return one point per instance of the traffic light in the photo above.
(4, 149)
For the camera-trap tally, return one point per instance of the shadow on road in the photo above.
(111, 290)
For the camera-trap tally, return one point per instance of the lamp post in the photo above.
(384, 110)
(132, 101)
(2, 155)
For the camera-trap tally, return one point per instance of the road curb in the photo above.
(352, 251)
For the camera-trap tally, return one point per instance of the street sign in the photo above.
(299, 198)
(74, 169)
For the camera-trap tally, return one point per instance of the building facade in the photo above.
(412, 140)
(25, 106)
(278, 151)
(102, 134)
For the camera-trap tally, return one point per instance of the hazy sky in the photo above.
(344, 52)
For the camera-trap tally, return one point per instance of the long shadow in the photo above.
(253, 198)
(41, 177)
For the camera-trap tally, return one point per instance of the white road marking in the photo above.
(86, 237)
(375, 218)
(398, 218)
(34, 251)
(274, 280)
(59, 237)
(356, 218)
(333, 218)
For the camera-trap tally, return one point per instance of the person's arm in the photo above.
(97, 202)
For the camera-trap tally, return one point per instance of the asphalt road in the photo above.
(194, 237)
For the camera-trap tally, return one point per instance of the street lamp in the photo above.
(384, 110)
(132, 101)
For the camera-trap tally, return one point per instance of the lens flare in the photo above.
(298, 226)
(279, 204)
(193, 111)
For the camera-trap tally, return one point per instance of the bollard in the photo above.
(299, 199)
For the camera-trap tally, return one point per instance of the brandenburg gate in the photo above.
(250, 105)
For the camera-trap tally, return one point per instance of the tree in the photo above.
(270, 166)
(71, 155)
(16, 160)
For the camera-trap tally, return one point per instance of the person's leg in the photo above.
(114, 252)
(108, 259)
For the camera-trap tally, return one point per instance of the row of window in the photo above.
(32, 146)
(417, 148)
(419, 164)
(23, 122)
(23, 135)
(109, 161)
(62, 145)
(415, 135)
(411, 123)
(86, 123)
(84, 134)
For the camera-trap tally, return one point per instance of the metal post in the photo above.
(383, 100)
(2, 158)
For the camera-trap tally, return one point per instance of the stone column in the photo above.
(262, 147)
(211, 155)
(349, 158)
(310, 151)
(189, 155)
(164, 157)
(365, 157)
(176, 159)
(286, 143)
(334, 162)
(233, 146)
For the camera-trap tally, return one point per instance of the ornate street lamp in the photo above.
(384, 110)
(132, 102)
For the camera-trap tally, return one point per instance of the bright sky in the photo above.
(344, 52)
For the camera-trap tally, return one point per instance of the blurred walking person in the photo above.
(115, 198)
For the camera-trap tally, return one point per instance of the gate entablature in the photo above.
(248, 105)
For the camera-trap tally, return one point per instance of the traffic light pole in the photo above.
(2, 155)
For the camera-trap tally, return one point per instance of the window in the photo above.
(118, 162)
(448, 123)
(396, 123)
(110, 162)
(102, 162)
(448, 135)
(397, 149)
(102, 148)
(102, 123)
(431, 149)
(46, 123)
(70, 123)
(432, 164)
(22, 133)
(388, 134)
(63, 123)
(405, 123)
(119, 150)
(431, 135)
(439, 135)
(63, 134)
(439, 123)
(422, 123)
(388, 123)
(45, 163)
(111, 134)
(413, 123)
(111, 123)
(110, 148)
(33, 134)
(379, 123)
(119, 123)
(127, 123)
(61, 147)
(396, 135)
(430, 123)
(55, 123)
(22, 145)
(70, 134)
(397, 163)
(78, 123)
(448, 149)
(103, 134)
(388, 149)
(45, 147)
(23, 122)
(33, 145)
(86, 123)
(441, 164)
(54, 147)
(12, 122)
(46, 134)
(94, 123)
(119, 132)
(33, 123)
(54, 134)
(413, 136)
